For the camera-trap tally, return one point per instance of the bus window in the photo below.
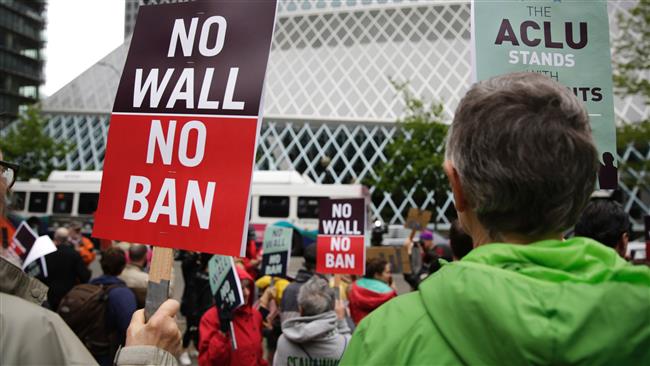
(38, 202)
(308, 207)
(88, 203)
(274, 206)
(17, 201)
(62, 203)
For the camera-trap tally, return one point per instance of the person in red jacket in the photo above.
(253, 257)
(215, 347)
(372, 290)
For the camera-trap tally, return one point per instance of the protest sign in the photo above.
(416, 219)
(224, 283)
(182, 137)
(32, 249)
(276, 250)
(226, 289)
(396, 255)
(566, 40)
(341, 242)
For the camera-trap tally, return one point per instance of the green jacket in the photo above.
(548, 303)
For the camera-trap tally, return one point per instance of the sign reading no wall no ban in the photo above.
(182, 138)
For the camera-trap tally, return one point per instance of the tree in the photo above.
(27, 144)
(632, 52)
(414, 157)
(631, 77)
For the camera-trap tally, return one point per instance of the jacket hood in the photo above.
(366, 299)
(310, 328)
(550, 302)
(303, 275)
(243, 275)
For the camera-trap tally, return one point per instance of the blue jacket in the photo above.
(121, 304)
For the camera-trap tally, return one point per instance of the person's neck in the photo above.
(513, 238)
(140, 264)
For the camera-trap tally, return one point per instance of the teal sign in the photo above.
(567, 40)
(276, 250)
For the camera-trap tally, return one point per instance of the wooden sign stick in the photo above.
(160, 275)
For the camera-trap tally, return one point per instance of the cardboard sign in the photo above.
(341, 242)
(182, 138)
(224, 283)
(417, 220)
(276, 250)
(566, 40)
(396, 255)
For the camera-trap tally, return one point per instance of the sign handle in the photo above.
(412, 235)
(159, 277)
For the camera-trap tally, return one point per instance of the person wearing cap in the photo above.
(82, 244)
(423, 257)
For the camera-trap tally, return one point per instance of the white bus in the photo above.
(277, 196)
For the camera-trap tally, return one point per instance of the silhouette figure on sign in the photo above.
(608, 174)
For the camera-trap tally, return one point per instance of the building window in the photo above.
(274, 206)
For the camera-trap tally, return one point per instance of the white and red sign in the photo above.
(341, 240)
(182, 138)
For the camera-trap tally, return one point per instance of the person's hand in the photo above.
(161, 330)
(339, 308)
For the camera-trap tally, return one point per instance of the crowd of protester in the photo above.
(510, 287)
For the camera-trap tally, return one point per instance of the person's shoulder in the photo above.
(398, 332)
(404, 310)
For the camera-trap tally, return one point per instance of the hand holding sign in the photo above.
(176, 173)
(181, 145)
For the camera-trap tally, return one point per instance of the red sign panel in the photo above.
(181, 144)
(341, 241)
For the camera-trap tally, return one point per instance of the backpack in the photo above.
(84, 310)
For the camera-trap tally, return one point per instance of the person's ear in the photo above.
(454, 182)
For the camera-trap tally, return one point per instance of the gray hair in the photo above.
(315, 297)
(521, 144)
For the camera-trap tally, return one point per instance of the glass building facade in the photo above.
(330, 108)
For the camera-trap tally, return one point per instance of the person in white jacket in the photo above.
(320, 334)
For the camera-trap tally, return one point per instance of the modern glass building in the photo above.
(22, 41)
(330, 108)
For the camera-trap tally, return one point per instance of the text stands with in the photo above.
(568, 41)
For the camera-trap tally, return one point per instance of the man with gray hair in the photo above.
(521, 163)
(320, 334)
